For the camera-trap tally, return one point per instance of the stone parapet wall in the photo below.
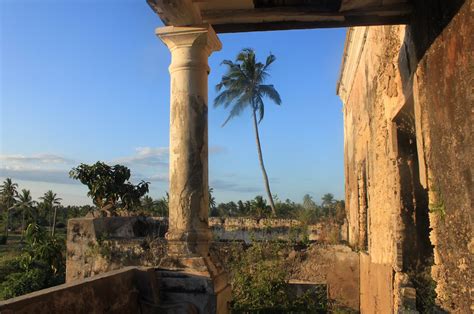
(99, 245)
(119, 291)
(246, 229)
(232, 223)
(95, 251)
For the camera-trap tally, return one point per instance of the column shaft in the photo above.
(190, 48)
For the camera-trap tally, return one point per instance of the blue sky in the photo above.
(85, 80)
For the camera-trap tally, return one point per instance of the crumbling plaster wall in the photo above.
(371, 167)
(442, 42)
(429, 62)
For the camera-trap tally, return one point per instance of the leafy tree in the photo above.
(242, 87)
(340, 209)
(26, 204)
(78, 211)
(51, 201)
(328, 200)
(147, 203)
(226, 210)
(109, 185)
(155, 207)
(162, 205)
(243, 209)
(8, 193)
(259, 207)
(287, 208)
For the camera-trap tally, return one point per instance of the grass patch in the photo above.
(12, 249)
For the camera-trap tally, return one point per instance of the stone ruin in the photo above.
(406, 86)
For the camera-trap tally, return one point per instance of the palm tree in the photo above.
(51, 201)
(8, 193)
(327, 203)
(147, 203)
(212, 200)
(308, 202)
(162, 205)
(243, 86)
(26, 203)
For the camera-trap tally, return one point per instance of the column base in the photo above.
(183, 249)
(196, 280)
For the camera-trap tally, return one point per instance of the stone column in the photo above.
(189, 234)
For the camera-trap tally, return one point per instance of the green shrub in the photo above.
(8, 267)
(41, 264)
(260, 283)
(22, 282)
(3, 239)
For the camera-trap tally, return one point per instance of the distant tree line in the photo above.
(39, 225)
(308, 211)
(18, 210)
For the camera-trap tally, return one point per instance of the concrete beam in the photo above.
(228, 21)
(346, 22)
(176, 12)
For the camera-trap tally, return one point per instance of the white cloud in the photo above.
(38, 158)
(157, 156)
(51, 168)
(147, 163)
(161, 177)
(219, 184)
(147, 156)
(37, 175)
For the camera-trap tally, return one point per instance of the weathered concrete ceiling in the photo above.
(227, 16)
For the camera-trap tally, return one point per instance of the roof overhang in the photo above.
(228, 16)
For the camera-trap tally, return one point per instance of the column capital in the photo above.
(190, 36)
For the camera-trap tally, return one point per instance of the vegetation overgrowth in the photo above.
(41, 264)
(32, 246)
(261, 283)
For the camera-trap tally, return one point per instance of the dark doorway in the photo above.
(416, 246)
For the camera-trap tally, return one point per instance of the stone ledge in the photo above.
(91, 295)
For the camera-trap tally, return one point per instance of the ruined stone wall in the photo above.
(337, 266)
(407, 94)
(100, 245)
(248, 229)
(371, 166)
(442, 42)
(372, 173)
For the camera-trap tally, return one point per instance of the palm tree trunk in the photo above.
(23, 219)
(260, 158)
(54, 220)
(7, 224)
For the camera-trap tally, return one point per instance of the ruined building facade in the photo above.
(407, 89)
(407, 95)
